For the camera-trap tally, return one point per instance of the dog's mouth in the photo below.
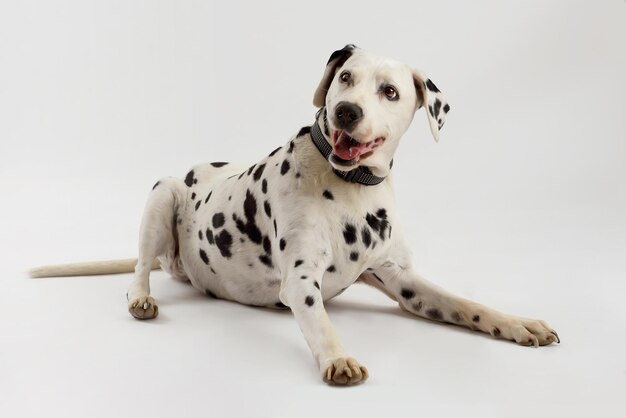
(349, 151)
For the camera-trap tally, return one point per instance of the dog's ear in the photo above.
(335, 61)
(430, 96)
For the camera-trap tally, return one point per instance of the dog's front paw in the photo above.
(529, 332)
(143, 307)
(344, 371)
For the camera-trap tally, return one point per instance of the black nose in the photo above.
(347, 115)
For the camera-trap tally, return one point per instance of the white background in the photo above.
(521, 206)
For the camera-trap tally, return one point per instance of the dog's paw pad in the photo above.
(143, 308)
(345, 371)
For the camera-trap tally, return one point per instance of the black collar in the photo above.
(361, 175)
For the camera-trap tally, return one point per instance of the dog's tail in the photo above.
(88, 269)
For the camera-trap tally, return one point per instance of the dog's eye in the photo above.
(390, 92)
(345, 77)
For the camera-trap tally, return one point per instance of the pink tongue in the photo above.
(347, 148)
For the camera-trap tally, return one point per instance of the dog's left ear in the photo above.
(429, 95)
(336, 60)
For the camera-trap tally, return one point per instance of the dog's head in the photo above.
(370, 102)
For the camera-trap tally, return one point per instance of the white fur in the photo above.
(317, 230)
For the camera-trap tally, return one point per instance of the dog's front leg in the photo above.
(300, 290)
(422, 298)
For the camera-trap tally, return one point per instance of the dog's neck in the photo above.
(320, 136)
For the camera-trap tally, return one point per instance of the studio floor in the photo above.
(70, 349)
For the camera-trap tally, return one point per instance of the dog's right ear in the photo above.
(335, 61)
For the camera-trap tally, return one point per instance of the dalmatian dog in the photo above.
(312, 218)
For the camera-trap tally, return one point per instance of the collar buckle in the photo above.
(351, 176)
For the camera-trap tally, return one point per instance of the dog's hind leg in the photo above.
(422, 298)
(157, 237)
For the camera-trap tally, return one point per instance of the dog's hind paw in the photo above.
(345, 371)
(143, 307)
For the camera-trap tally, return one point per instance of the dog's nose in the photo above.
(347, 115)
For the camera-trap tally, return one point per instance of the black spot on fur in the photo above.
(193, 196)
(284, 167)
(200, 234)
(434, 313)
(303, 277)
(316, 284)
(431, 111)
(249, 206)
(354, 256)
(298, 262)
(218, 220)
(250, 229)
(456, 317)
(407, 293)
(275, 229)
(328, 195)
(309, 300)
(241, 175)
(495, 332)
(349, 233)
(305, 130)
(204, 257)
(476, 318)
(373, 222)
(366, 237)
(250, 169)
(209, 236)
(298, 175)
(189, 179)
(274, 152)
(446, 108)
(282, 243)
(437, 108)
(156, 184)
(219, 164)
(264, 186)
(280, 305)
(379, 223)
(224, 240)
(267, 245)
(431, 86)
(290, 149)
(391, 164)
(378, 278)
(208, 196)
(268, 209)
(259, 172)
(198, 204)
(267, 260)
(331, 269)
(417, 306)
